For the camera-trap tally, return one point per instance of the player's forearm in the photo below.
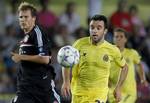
(141, 72)
(123, 76)
(66, 75)
(35, 58)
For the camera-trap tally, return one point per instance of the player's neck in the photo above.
(27, 30)
(121, 48)
(98, 42)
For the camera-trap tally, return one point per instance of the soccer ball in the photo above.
(68, 56)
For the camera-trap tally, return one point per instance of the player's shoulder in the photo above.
(39, 28)
(36, 30)
(81, 41)
(131, 50)
(111, 46)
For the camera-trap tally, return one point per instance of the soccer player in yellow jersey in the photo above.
(89, 83)
(132, 57)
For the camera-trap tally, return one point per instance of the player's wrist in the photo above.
(22, 57)
(118, 86)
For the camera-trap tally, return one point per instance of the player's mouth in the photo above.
(94, 36)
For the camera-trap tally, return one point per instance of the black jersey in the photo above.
(33, 77)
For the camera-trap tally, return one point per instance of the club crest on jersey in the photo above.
(105, 58)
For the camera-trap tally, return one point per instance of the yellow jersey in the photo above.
(90, 76)
(129, 86)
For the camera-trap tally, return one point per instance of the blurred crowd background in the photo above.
(66, 21)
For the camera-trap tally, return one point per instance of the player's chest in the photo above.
(94, 55)
(27, 40)
(128, 57)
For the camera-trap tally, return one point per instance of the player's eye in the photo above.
(116, 36)
(92, 27)
(20, 16)
(121, 36)
(99, 28)
(25, 17)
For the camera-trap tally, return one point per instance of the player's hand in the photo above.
(65, 90)
(117, 95)
(15, 57)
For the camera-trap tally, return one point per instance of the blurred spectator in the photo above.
(70, 18)
(2, 66)
(138, 25)
(63, 37)
(80, 32)
(2, 16)
(11, 16)
(14, 2)
(145, 47)
(6, 85)
(94, 7)
(143, 93)
(8, 42)
(146, 70)
(47, 18)
(121, 17)
(148, 26)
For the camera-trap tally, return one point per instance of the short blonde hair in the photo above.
(27, 6)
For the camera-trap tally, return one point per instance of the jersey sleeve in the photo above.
(40, 42)
(118, 58)
(137, 57)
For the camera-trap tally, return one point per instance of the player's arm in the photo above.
(140, 69)
(32, 58)
(122, 77)
(142, 74)
(65, 90)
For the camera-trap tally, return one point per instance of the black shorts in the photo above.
(22, 98)
(50, 97)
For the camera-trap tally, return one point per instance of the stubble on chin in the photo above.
(96, 40)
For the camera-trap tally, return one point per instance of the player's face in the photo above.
(120, 39)
(97, 31)
(26, 20)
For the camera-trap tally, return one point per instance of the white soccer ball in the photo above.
(68, 56)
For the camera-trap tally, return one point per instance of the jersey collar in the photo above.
(98, 44)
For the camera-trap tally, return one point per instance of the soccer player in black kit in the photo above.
(34, 78)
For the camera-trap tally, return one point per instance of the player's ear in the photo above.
(34, 18)
(105, 31)
(126, 40)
